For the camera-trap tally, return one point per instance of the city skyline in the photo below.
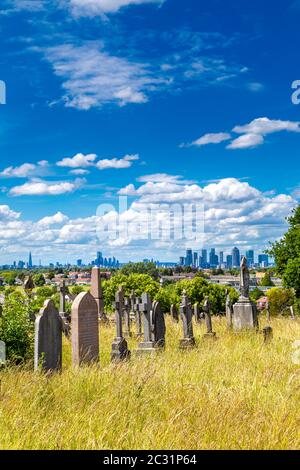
(173, 103)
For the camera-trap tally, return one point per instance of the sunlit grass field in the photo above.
(232, 393)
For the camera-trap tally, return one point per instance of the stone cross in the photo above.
(158, 325)
(127, 317)
(197, 313)
(48, 339)
(229, 312)
(119, 349)
(148, 345)
(188, 340)
(2, 353)
(208, 321)
(96, 292)
(139, 329)
(85, 330)
(174, 313)
(63, 290)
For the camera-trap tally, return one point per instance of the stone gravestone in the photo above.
(229, 312)
(63, 290)
(174, 313)
(137, 306)
(85, 330)
(268, 334)
(48, 339)
(292, 313)
(96, 291)
(28, 283)
(268, 311)
(132, 299)
(148, 345)
(2, 353)
(127, 322)
(158, 325)
(244, 311)
(119, 350)
(188, 340)
(207, 307)
(197, 313)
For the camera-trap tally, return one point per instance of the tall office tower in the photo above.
(79, 263)
(236, 259)
(229, 261)
(99, 259)
(204, 257)
(263, 261)
(250, 257)
(213, 258)
(221, 257)
(181, 261)
(30, 261)
(189, 258)
(195, 263)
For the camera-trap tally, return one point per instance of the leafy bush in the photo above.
(16, 330)
(138, 282)
(280, 300)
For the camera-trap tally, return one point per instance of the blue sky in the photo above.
(162, 101)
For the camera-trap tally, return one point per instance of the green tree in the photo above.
(140, 268)
(280, 300)
(266, 280)
(286, 253)
(39, 280)
(256, 294)
(76, 290)
(16, 330)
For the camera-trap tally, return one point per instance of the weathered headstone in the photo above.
(139, 328)
(174, 313)
(268, 334)
(229, 312)
(208, 321)
(158, 325)
(148, 345)
(28, 283)
(188, 340)
(85, 330)
(119, 350)
(127, 321)
(268, 312)
(48, 339)
(2, 353)
(96, 291)
(292, 313)
(244, 311)
(132, 299)
(63, 290)
(197, 313)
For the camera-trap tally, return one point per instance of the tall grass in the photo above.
(233, 393)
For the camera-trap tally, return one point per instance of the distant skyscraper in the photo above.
(181, 261)
(79, 263)
(195, 263)
(189, 258)
(250, 257)
(213, 258)
(263, 261)
(30, 261)
(229, 261)
(221, 257)
(204, 256)
(236, 259)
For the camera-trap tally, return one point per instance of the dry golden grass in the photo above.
(233, 393)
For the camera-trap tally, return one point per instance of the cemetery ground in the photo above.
(232, 393)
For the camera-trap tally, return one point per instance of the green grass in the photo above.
(233, 393)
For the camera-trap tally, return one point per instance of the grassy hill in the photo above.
(234, 393)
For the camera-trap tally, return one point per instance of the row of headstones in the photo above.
(49, 327)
